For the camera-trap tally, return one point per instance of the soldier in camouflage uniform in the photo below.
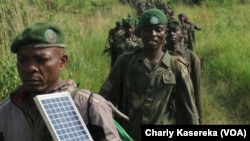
(129, 42)
(187, 57)
(115, 32)
(114, 36)
(140, 8)
(149, 85)
(188, 32)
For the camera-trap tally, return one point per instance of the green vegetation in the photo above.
(222, 44)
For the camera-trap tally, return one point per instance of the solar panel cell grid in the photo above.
(62, 118)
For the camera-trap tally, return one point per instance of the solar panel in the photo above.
(62, 117)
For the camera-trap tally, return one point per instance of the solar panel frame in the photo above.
(62, 117)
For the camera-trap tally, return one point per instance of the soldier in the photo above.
(188, 39)
(115, 32)
(149, 85)
(41, 57)
(170, 14)
(140, 8)
(129, 42)
(113, 37)
(187, 57)
(148, 5)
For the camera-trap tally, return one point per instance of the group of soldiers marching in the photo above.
(122, 38)
(159, 4)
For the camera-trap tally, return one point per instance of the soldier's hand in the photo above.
(197, 28)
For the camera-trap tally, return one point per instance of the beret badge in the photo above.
(154, 20)
(50, 36)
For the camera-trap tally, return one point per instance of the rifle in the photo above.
(107, 49)
(193, 25)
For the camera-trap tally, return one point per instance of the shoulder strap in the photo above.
(73, 93)
(188, 59)
(90, 100)
(89, 103)
(173, 65)
(174, 70)
(184, 60)
(187, 54)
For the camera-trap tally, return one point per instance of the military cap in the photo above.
(173, 24)
(152, 16)
(128, 22)
(118, 23)
(181, 15)
(185, 17)
(39, 35)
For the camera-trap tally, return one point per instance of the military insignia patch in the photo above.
(154, 20)
(50, 36)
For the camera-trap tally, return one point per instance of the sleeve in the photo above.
(196, 79)
(186, 109)
(100, 113)
(111, 88)
(110, 37)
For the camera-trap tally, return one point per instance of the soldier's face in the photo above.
(39, 68)
(174, 35)
(129, 30)
(154, 36)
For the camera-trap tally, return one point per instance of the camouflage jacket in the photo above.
(114, 35)
(192, 61)
(127, 45)
(124, 45)
(188, 37)
(160, 95)
(18, 124)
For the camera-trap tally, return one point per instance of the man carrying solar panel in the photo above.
(40, 52)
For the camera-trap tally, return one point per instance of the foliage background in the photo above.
(223, 46)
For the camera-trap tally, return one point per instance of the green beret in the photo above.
(118, 23)
(39, 35)
(128, 22)
(152, 16)
(173, 24)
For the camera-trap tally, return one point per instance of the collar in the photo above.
(166, 59)
(19, 96)
(180, 51)
(140, 56)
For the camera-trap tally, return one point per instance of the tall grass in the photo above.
(86, 37)
(222, 44)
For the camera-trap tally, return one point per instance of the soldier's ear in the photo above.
(64, 61)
